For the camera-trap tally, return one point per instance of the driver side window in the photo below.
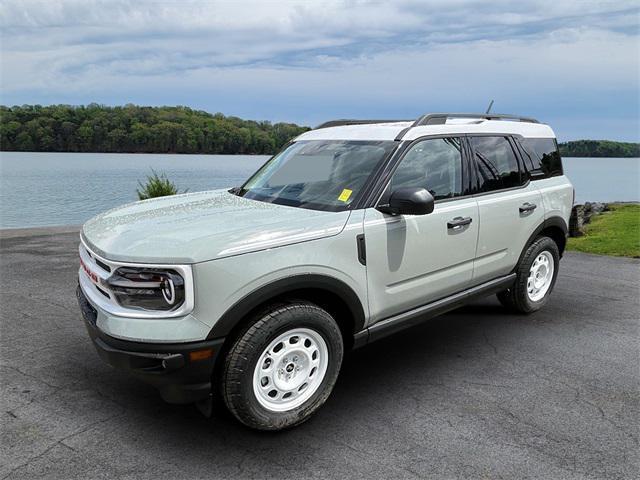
(434, 164)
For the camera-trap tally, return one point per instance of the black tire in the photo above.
(517, 298)
(240, 362)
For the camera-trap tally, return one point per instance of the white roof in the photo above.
(372, 131)
(389, 131)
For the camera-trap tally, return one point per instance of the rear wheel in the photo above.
(283, 366)
(535, 277)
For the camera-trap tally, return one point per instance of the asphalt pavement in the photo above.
(477, 393)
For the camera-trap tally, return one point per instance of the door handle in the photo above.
(527, 207)
(458, 222)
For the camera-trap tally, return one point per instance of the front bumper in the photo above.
(181, 372)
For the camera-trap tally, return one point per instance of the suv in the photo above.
(355, 230)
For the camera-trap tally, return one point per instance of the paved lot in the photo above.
(476, 393)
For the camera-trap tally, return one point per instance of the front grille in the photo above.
(102, 265)
(103, 292)
(96, 260)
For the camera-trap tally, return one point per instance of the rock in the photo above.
(581, 215)
(596, 207)
(576, 221)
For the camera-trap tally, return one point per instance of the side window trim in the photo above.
(517, 154)
(472, 173)
(383, 184)
(519, 159)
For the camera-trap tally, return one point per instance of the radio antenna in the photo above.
(489, 107)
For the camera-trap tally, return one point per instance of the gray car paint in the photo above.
(203, 226)
(237, 246)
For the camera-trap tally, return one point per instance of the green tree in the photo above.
(599, 148)
(131, 128)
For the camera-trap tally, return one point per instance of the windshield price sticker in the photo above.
(345, 195)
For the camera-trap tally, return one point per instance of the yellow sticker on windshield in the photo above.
(344, 196)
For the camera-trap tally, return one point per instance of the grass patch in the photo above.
(616, 232)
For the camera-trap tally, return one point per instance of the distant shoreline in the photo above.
(231, 154)
(146, 153)
(599, 149)
(137, 129)
(17, 232)
(132, 129)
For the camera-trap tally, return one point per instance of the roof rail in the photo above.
(338, 123)
(441, 118)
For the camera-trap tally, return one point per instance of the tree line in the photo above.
(136, 129)
(599, 148)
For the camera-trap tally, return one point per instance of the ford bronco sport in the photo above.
(355, 230)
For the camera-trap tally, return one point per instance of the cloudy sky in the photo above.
(574, 64)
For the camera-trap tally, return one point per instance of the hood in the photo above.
(197, 227)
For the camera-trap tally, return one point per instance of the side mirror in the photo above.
(408, 201)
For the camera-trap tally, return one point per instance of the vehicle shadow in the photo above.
(438, 341)
(372, 380)
(431, 344)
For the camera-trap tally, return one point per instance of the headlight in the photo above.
(148, 288)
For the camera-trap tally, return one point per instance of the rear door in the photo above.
(415, 259)
(510, 206)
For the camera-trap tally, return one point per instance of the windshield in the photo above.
(317, 174)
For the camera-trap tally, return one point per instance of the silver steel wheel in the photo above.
(290, 369)
(540, 276)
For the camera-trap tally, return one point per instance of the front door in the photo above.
(416, 259)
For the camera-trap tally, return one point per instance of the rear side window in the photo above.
(497, 163)
(541, 157)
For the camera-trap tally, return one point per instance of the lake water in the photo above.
(40, 189)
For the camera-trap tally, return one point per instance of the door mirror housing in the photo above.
(408, 201)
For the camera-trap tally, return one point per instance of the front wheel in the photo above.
(535, 277)
(283, 367)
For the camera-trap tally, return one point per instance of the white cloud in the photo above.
(192, 34)
(350, 56)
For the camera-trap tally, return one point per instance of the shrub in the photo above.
(156, 186)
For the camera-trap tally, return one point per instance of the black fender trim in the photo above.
(554, 221)
(244, 306)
